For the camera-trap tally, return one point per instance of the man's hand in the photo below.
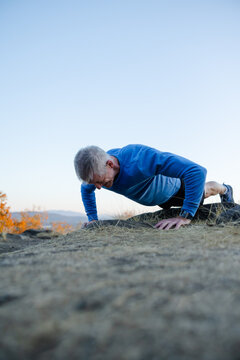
(84, 225)
(176, 222)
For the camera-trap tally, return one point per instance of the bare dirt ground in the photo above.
(127, 294)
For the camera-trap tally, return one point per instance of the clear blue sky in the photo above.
(110, 73)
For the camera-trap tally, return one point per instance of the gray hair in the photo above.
(89, 161)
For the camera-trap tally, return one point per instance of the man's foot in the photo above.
(228, 196)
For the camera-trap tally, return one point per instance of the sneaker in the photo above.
(228, 196)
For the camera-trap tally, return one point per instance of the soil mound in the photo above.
(215, 213)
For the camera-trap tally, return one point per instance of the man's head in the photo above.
(94, 166)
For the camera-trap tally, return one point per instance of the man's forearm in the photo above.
(194, 188)
(89, 201)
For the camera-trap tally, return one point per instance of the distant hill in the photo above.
(70, 217)
(66, 213)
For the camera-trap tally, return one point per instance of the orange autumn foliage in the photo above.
(61, 227)
(27, 221)
(6, 221)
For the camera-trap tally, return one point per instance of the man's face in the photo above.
(104, 180)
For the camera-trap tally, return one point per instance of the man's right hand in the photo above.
(84, 225)
(171, 223)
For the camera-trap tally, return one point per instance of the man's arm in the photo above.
(176, 166)
(194, 177)
(89, 201)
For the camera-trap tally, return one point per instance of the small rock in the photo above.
(88, 305)
(7, 298)
(34, 232)
(48, 235)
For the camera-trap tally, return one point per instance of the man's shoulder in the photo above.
(132, 153)
(128, 148)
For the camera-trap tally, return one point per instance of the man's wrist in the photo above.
(185, 214)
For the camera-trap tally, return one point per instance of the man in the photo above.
(149, 177)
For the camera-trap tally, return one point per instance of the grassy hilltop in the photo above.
(127, 294)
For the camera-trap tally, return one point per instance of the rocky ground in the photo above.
(123, 290)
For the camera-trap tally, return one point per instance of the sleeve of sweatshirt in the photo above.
(89, 201)
(172, 165)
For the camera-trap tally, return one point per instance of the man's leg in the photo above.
(214, 188)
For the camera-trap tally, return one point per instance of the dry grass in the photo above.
(125, 215)
(127, 294)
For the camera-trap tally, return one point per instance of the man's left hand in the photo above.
(176, 223)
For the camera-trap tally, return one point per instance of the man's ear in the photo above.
(110, 163)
